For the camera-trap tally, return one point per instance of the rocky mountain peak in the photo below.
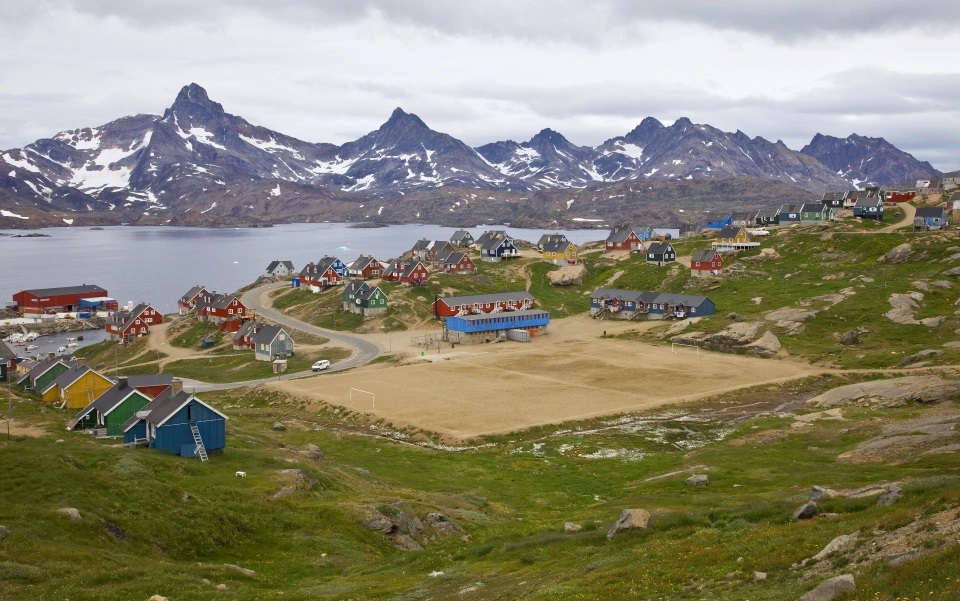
(399, 118)
(861, 160)
(643, 132)
(193, 103)
(548, 137)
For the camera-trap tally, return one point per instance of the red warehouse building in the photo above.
(449, 306)
(56, 300)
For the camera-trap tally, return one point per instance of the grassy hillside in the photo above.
(154, 523)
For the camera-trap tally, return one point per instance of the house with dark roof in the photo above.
(716, 221)
(127, 325)
(767, 216)
(77, 387)
(743, 218)
(462, 239)
(271, 342)
(559, 251)
(150, 384)
(496, 246)
(363, 299)
(110, 410)
(471, 304)
(8, 362)
(280, 269)
(869, 207)
(188, 301)
(930, 218)
(623, 237)
(789, 214)
(178, 422)
(834, 200)
(55, 300)
(366, 268)
(45, 371)
(514, 325)
(407, 272)
(814, 211)
(660, 253)
(706, 263)
(427, 250)
(220, 308)
(455, 262)
(328, 271)
(643, 304)
(733, 238)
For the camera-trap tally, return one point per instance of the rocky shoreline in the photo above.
(54, 327)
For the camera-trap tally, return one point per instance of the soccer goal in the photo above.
(675, 345)
(360, 393)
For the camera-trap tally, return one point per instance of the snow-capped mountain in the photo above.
(868, 161)
(197, 162)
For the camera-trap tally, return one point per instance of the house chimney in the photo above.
(80, 361)
(51, 355)
(121, 383)
(176, 385)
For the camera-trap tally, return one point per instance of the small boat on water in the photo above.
(32, 347)
(62, 349)
(79, 337)
(71, 339)
(73, 344)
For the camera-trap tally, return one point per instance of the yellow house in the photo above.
(733, 235)
(76, 388)
(557, 249)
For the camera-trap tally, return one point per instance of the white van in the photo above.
(320, 365)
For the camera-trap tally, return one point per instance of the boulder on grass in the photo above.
(807, 511)
(831, 589)
(697, 480)
(630, 519)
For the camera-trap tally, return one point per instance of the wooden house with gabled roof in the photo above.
(455, 262)
(705, 263)
(188, 301)
(623, 237)
(767, 216)
(45, 371)
(716, 221)
(178, 422)
(733, 238)
(559, 251)
(497, 246)
(366, 268)
(789, 214)
(77, 387)
(660, 253)
(111, 409)
(462, 239)
(219, 308)
(407, 272)
(813, 211)
(834, 200)
(930, 218)
(127, 325)
(427, 250)
(869, 207)
(364, 299)
(280, 269)
(323, 274)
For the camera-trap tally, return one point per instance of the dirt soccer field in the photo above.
(496, 388)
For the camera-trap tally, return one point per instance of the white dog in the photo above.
(241, 474)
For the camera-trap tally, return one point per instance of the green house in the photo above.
(361, 297)
(44, 373)
(814, 212)
(111, 409)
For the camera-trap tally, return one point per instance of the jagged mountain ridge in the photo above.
(868, 161)
(198, 158)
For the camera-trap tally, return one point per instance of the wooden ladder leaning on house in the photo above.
(201, 450)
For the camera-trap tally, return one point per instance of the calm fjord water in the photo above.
(158, 264)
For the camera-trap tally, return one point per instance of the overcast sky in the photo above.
(333, 70)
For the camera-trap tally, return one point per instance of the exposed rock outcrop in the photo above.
(831, 589)
(569, 275)
(890, 393)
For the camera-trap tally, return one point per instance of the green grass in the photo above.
(182, 520)
(194, 332)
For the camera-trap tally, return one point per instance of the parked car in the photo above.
(320, 365)
(760, 231)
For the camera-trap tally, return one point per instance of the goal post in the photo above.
(373, 397)
(674, 345)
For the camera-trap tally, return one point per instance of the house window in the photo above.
(230, 311)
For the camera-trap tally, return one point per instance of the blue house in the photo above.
(717, 221)
(328, 262)
(178, 423)
(869, 207)
(789, 214)
(930, 218)
(497, 246)
(643, 304)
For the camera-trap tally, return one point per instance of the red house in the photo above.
(705, 263)
(55, 300)
(319, 276)
(449, 306)
(188, 301)
(367, 268)
(151, 385)
(622, 237)
(899, 196)
(219, 308)
(407, 272)
(123, 325)
(455, 262)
